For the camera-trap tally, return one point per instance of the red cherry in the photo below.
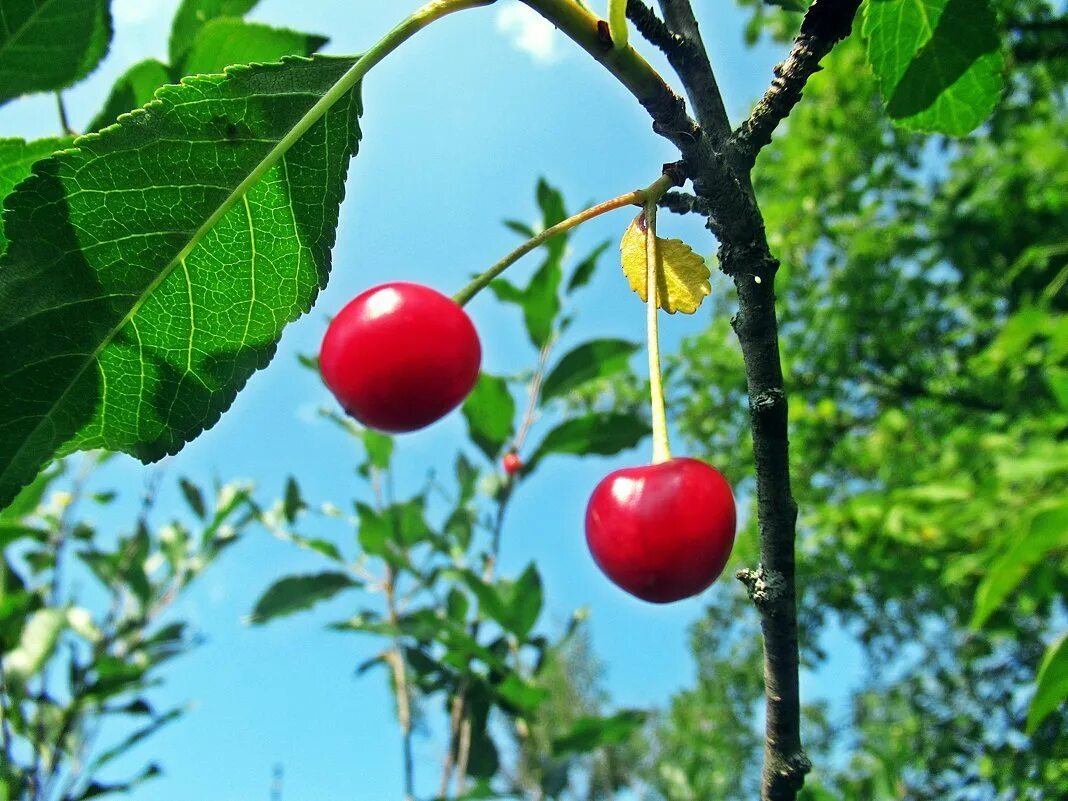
(512, 463)
(662, 532)
(400, 356)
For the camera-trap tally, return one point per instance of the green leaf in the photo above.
(590, 733)
(374, 532)
(37, 643)
(132, 329)
(16, 158)
(1052, 683)
(1048, 531)
(194, 497)
(584, 271)
(588, 362)
(133, 89)
(31, 496)
(228, 40)
(49, 44)
(541, 301)
(603, 434)
(506, 291)
(525, 603)
(520, 228)
(938, 62)
(292, 502)
(490, 412)
(192, 15)
(296, 593)
(522, 694)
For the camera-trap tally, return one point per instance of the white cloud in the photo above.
(530, 33)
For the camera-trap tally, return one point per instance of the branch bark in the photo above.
(826, 23)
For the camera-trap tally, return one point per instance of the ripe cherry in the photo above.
(662, 532)
(400, 356)
(512, 463)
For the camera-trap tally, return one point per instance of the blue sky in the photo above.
(459, 125)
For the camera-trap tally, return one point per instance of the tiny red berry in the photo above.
(400, 356)
(662, 532)
(512, 463)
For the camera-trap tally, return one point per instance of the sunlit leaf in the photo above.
(603, 434)
(683, 275)
(131, 324)
(17, 156)
(192, 15)
(938, 62)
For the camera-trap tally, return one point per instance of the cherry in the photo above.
(662, 532)
(512, 463)
(400, 356)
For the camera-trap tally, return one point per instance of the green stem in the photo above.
(625, 63)
(661, 448)
(635, 198)
(617, 22)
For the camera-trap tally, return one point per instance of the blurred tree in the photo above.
(80, 662)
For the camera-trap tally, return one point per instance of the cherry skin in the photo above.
(662, 532)
(512, 463)
(400, 356)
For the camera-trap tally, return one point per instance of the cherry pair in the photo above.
(401, 355)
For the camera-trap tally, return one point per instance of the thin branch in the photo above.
(400, 684)
(63, 119)
(685, 203)
(654, 29)
(826, 23)
(690, 61)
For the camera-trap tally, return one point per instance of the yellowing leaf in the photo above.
(682, 275)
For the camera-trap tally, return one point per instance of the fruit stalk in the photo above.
(636, 198)
(661, 447)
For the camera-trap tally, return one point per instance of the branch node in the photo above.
(769, 399)
(764, 586)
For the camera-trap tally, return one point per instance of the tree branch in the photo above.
(685, 203)
(690, 62)
(826, 23)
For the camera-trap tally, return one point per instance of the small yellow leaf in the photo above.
(683, 275)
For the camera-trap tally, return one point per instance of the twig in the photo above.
(63, 121)
(400, 682)
(690, 61)
(826, 23)
(685, 203)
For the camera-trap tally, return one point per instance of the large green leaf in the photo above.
(938, 62)
(592, 360)
(1048, 531)
(1052, 681)
(229, 40)
(599, 433)
(296, 593)
(17, 156)
(133, 89)
(153, 267)
(490, 412)
(49, 44)
(192, 15)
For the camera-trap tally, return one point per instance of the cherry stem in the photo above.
(661, 446)
(617, 23)
(638, 197)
